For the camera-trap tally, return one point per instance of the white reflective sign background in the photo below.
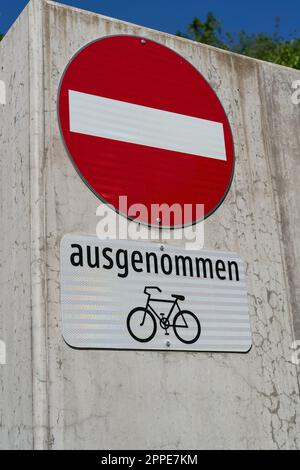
(134, 295)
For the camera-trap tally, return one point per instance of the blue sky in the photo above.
(171, 15)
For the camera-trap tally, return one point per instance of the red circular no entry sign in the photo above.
(140, 121)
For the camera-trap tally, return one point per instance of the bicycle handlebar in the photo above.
(151, 287)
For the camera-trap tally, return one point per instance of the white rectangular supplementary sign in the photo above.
(127, 122)
(129, 295)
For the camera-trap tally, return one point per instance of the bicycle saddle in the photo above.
(178, 297)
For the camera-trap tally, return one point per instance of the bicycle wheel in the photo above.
(186, 327)
(141, 324)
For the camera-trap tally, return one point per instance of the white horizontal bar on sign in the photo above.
(127, 122)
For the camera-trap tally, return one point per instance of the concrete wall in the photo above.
(58, 397)
(15, 285)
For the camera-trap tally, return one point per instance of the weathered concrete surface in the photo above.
(117, 399)
(281, 119)
(15, 290)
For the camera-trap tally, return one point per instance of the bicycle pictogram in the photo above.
(142, 321)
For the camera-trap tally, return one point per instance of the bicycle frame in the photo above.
(149, 307)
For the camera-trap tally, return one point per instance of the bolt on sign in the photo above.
(128, 295)
(138, 119)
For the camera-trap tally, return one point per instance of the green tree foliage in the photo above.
(272, 48)
(1, 36)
